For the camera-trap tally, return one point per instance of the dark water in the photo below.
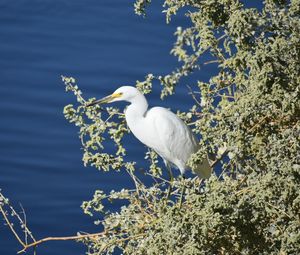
(104, 45)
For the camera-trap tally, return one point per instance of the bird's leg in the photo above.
(171, 180)
(182, 191)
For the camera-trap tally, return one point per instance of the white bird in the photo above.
(159, 129)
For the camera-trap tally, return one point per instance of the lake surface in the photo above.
(104, 45)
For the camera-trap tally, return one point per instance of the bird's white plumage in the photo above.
(161, 130)
(175, 142)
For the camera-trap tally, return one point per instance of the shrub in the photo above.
(249, 110)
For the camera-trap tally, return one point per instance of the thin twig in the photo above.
(242, 181)
(19, 218)
(193, 95)
(137, 181)
(279, 209)
(258, 123)
(211, 62)
(62, 238)
(157, 177)
(26, 230)
(11, 227)
(237, 193)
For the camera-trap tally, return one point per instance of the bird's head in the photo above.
(125, 93)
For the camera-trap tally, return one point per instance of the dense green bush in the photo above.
(250, 111)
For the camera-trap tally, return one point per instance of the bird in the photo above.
(159, 129)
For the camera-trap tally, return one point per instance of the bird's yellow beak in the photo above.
(106, 99)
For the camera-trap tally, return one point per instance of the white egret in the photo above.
(159, 129)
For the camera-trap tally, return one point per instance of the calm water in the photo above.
(103, 45)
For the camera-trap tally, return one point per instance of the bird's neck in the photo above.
(136, 110)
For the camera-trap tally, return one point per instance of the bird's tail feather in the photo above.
(203, 170)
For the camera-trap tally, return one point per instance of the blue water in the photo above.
(104, 45)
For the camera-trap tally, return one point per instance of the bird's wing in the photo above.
(174, 140)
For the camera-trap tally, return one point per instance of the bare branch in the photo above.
(62, 238)
(11, 227)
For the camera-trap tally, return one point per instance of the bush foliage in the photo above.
(249, 110)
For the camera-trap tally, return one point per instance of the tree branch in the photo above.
(62, 238)
(11, 227)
